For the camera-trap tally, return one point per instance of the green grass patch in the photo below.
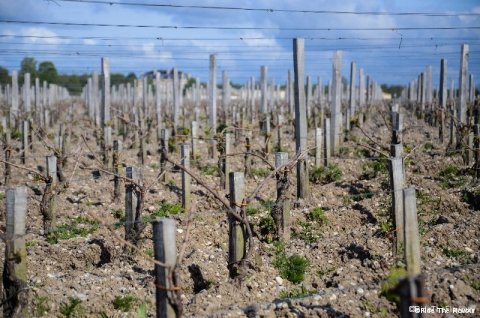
(296, 293)
(324, 175)
(252, 210)
(395, 275)
(72, 308)
(453, 252)
(318, 215)
(124, 303)
(451, 177)
(375, 168)
(76, 227)
(165, 209)
(209, 169)
(292, 267)
(267, 228)
(307, 233)
(260, 172)
(41, 306)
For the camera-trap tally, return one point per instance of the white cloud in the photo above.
(44, 36)
(150, 51)
(89, 42)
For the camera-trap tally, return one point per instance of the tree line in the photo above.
(47, 71)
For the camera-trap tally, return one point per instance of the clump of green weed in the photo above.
(268, 204)
(451, 177)
(124, 303)
(296, 293)
(308, 233)
(324, 175)
(79, 226)
(292, 267)
(453, 252)
(252, 210)
(267, 228)
(375, 168)
(72, 308)
(260, 172)
(165, 209)
(209, 169)
(41, 306)
(318, 215)
(395, 275)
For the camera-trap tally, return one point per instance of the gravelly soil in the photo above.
(349, 260)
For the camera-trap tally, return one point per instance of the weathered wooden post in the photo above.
(7, 153)
(327, 139)
(442, 98)
(165, 251)
(411, 235)
(164, 137)
(226, 160)
(264, 110)
(14, 107)
(176, 100)
(25, 140)
(248, 158)
(107, 146)
(185, 157)
(47, 206)
(105, 111)
(133, 202)
(318, 146)
(476, 146)
(336, 106)
(351, 97)
(15, 266)
(462, 98)
(117, 180)
(158, 103)
(237, 234)
(397, 183)
(27, 102)
(194, 132)
(281, 211)
(300, 118)
(212, 106)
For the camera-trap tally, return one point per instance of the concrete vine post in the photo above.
(236, 233)
(15, 278)
(300, 117)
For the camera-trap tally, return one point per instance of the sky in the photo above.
(243, 40)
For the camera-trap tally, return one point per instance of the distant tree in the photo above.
(392, 89)
(131, 77)
(28, 65)
(117, 78)
(48, 72)
(4, 77)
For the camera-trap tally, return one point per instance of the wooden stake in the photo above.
(281, 211)
(15, 266)
(300, 117)
(412, 242)
(236, 233)
(165, 251)
(397, 182)
(132, 203)
(185, 155)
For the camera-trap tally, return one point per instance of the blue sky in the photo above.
(389, 56)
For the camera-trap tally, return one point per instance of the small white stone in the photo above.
(468, 250)
(279, 280)
(333, 297)
(180, 231)
(360, 291)
(151, 208)
(367, 314)
(219, 296)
